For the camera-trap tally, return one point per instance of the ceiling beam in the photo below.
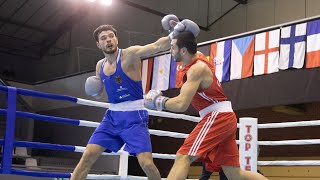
(5, 36)
(152, 11)
(6, 20)
(242, 1)
(20, 55)
(223, 15)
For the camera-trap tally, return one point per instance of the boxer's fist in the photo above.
(154, 100)
(93, 86)
(187, 25)
(169, 21)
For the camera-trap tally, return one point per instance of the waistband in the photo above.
(223, 106)
(128, 106)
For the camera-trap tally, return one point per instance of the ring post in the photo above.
(9, 134)
(123, 164)
(248, 136)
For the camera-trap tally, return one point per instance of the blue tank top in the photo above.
(119, 86)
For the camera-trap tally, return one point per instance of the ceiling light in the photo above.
(106, 2)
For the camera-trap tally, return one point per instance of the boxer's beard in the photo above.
(177, 57)
(111, 51)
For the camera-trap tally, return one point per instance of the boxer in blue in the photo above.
(126, 121)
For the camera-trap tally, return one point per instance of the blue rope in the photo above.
(40, 174)
(44, 117)
(27, 92)
(39, 145)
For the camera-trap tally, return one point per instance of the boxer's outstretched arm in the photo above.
(160, 45)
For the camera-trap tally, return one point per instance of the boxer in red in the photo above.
(214, 138)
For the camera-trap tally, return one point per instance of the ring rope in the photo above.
(81, 101)
(151, 112)
(289, 142)
(289, 163)
(155, 132)
(159, 132)
(289, 124)
(71, 148)
(84, 123)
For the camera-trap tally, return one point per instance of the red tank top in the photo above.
(207, 97)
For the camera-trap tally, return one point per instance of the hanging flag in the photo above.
(266, 55)
(242, 52)
(146, 73)
(161, 72)
(313, 44)
(173, 73)
(220, 55)
(292, 46)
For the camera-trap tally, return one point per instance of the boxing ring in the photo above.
(248, 135)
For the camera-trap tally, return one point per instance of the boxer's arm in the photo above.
(181, 102)
(98, 66)
(160, 45)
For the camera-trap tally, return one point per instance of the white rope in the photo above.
(138, 178)
(81, 149)
(163, 156)
(117, 177)
(145, 178)
(151, 131)
(151, 112)
(88, 123)
(196, 119)
(182, 135)
(289, 124)
(168, 134)
(288, 163)
(103, 176)
(173, 115)
(289, 142)
(92, 103)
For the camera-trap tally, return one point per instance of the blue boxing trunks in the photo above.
(119, 127)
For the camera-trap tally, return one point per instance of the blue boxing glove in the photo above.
(185, 25)
(93, 86)
(154, 100)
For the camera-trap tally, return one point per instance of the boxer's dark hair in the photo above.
(187, 40)
(106, 27)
